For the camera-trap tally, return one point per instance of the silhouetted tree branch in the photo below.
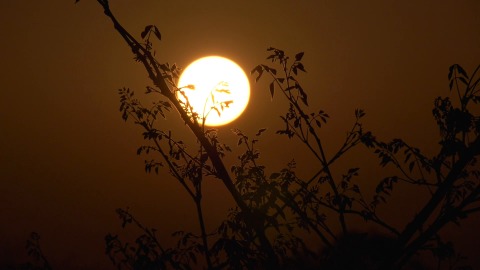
(272, 210)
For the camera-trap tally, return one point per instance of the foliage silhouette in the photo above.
(274, 211)
(282, 205)
(38, 260)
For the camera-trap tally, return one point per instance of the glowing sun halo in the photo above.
(216, 88)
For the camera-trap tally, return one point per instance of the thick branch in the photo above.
(154, 73)
(419, 220)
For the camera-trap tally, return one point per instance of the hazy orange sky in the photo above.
(67, 159)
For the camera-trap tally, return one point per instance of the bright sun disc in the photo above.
(221, 89)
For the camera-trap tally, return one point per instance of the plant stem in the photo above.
(202, 228)
(433, 203)
(253, 219)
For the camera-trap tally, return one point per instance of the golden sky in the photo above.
(67, 159)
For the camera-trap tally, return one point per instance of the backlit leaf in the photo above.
(260, 131)
(301, 67)
(462, 71)
(145, 32)
(299, 56)
(272, 89)
(157, 33)
(450, 72)
(259, 70)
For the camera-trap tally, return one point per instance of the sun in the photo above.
(215, 89)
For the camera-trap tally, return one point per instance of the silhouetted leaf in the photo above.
(272, 89)
(212, 97)
(407, 157)
(227, 103)
(359, 113)
(299, 56)
(450, 72)
(260, 131)
(259, 70)
(303, 95)
(145, 32)
(217, 110)
(274, 175)
(353, 171)
(269, 69)
(461, 71)
(301, 67)
(410, 166)
(386, 185)
(356, 189)
(157, 33)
